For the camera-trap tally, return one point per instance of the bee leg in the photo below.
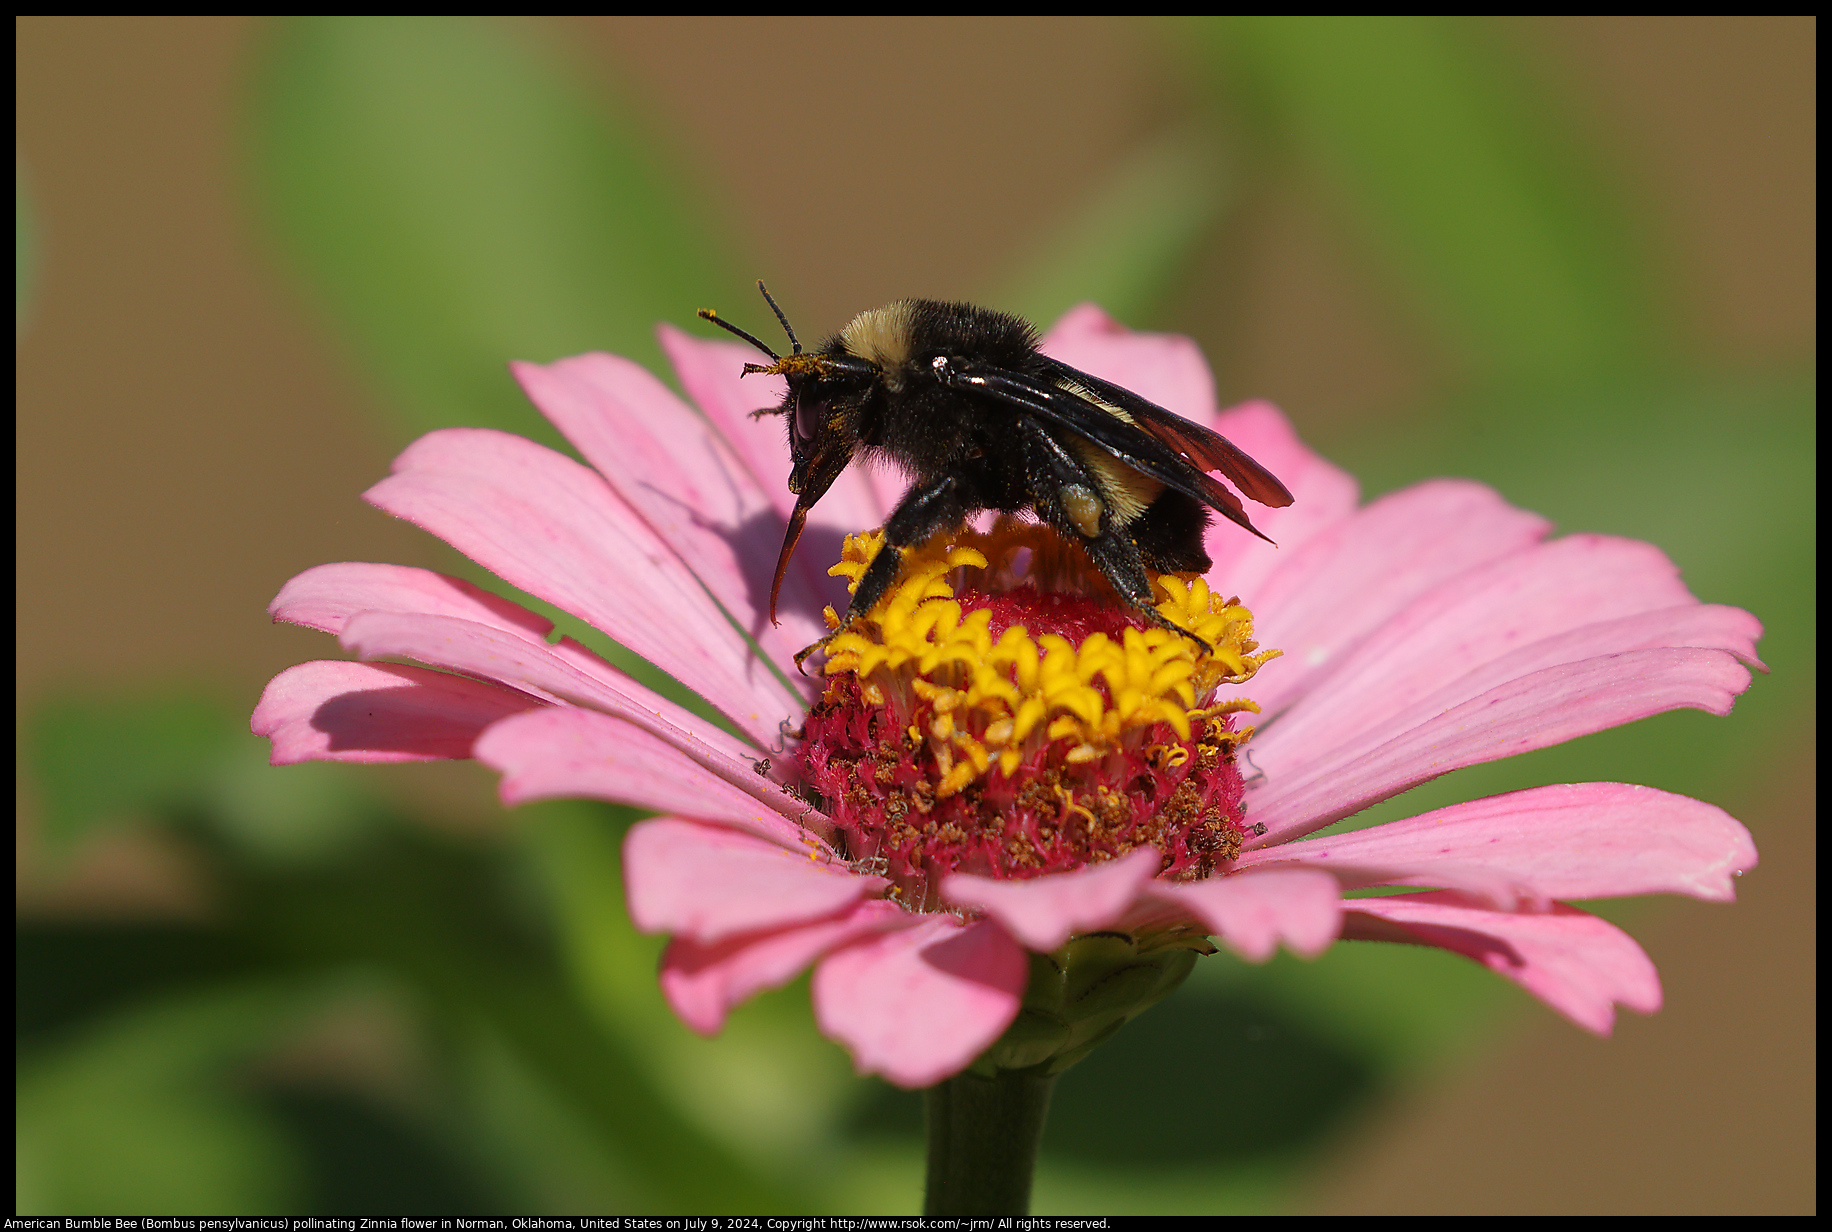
(925, 510)
(1119, 560)
(1069, 498)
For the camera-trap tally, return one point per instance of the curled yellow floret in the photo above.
(994, 701)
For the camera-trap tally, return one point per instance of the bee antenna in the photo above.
(771, 301)
(707, 314)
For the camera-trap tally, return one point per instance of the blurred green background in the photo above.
(1573, 258)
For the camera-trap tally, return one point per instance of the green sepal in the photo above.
(1084, 991)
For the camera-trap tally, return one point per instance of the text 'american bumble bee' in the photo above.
(962, 400)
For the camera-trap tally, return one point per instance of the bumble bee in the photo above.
(962, 400)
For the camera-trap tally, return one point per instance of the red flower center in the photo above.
(1010, 722)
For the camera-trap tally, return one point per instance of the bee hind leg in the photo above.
(1167, 536)
(1158, 618)
(1121, 563)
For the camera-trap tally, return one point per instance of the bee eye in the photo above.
(807, 416)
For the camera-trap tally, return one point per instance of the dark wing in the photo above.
(1131, 443)
(1207, 449)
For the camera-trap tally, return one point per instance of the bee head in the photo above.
(828, 390)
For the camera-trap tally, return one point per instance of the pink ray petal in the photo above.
(1253, 912)
(674, 469)
(562, 671)
(710, 882)
(918, 1005)
(704, 982)
(1325, 730)
(1544, 708)
(555, 529)
(1560, 602)
(1569, 841)
(568, 672)
(1167, 369)
(372, 712)
(328, 595)
(559, 671)
(1043, 912)
(1336, 589)
(1322, 495)
(1580, 965)
(565, 752)
(710, 372)
(1332, 726)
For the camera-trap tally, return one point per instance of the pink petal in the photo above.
(918, 1005)
(1545, 708)
(674, 469)
(1336, 589)
(704, 982)
(1581, 966)
(563, 671)
(1167, 369)
(568, 752)
(1043, 912)
(564, 752)
(1253, 912)
(1337, 722)
(1554, 603)
(1573, 840)
(328, 595)
(478, 650)
(710, 372)
(1323, 494)
(552, 527)
(709, 882)
(362, 712)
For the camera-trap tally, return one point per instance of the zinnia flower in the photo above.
(998, 794)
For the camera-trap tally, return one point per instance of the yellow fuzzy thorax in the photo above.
(986, 702)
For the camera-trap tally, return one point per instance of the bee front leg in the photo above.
(926, 509)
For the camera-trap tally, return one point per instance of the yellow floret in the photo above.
(990, 702)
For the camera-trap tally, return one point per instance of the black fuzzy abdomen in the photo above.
(1169, 533)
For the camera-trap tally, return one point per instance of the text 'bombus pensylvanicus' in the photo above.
(962, 400)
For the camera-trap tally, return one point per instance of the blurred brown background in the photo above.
(189, 436)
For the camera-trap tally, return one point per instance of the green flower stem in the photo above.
(983, 1136)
